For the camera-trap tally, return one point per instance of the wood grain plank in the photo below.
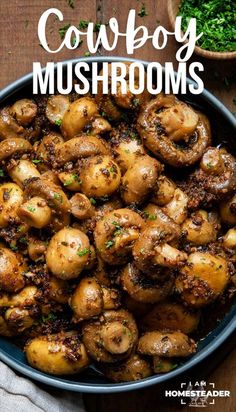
(19, 40)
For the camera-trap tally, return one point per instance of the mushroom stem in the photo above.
(116, 338)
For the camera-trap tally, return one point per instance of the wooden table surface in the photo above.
(20, 47)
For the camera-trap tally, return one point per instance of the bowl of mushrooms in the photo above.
(118, 238)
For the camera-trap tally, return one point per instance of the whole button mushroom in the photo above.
(132, 369)
(67, 253)
(59, 354)
(173, 131)
(11, 278)
(112, 337)
(203, 278)
(140, 179)
(115, 235)
(78, 115)
(24, 110)
(166, 344)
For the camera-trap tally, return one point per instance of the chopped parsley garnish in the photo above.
(58, 122)
(51, 317)
(142, 12)
(109, 244)
(58, 197)
(152, 217)
(97, 27)
(136, 102)
(112, 169)
(23, 240)
(36, 161)
(73, 178)
(83, 24)
(73, 42)
(92, 201)
(63, 30)
(1, 173)
(215, 19)
(82, 252)
(13, 246)
(31, 209)
(71, 3)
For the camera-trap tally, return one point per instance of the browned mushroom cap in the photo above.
(217, 171)
(79, 114)
(9, 128)
(53, 194)
(45, 150)
(67, 253)
(228, 211)
(111, 104)
(112, 337)
(24, 110)
(229, 239)
(171, 316)
(80, 148)
(163, 365)
(140, 179)
(19, 319)
(202, 279)
(87, 300)
(100, 176)
(81, 207)
(115, 235)
(136, 307)
(165, 122)
(58, 290)
(153, 247)
(13, 146)
(201, 227)
(146, 289)
(56, 108)
(126, 146)
(166, 344)
(11, 278)
(111, 298)
(60, 354)
(165, 191)
(132, 369)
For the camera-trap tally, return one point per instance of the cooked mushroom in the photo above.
(171, 315)
(11, 277)
(67, 253)
(24, 110)
(61, 354)
(115, 235)
(78, 115)
(143, 288)
(154, 246)
(166, 344)
(140, 179)
(173, 131)
(217, 171)
(132, 369)
(201, 227)
(112, 337)
(202, 279)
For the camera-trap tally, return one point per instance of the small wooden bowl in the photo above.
(172, 9)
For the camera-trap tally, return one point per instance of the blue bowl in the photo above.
(224, 127)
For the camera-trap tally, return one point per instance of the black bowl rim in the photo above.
(227, 330)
